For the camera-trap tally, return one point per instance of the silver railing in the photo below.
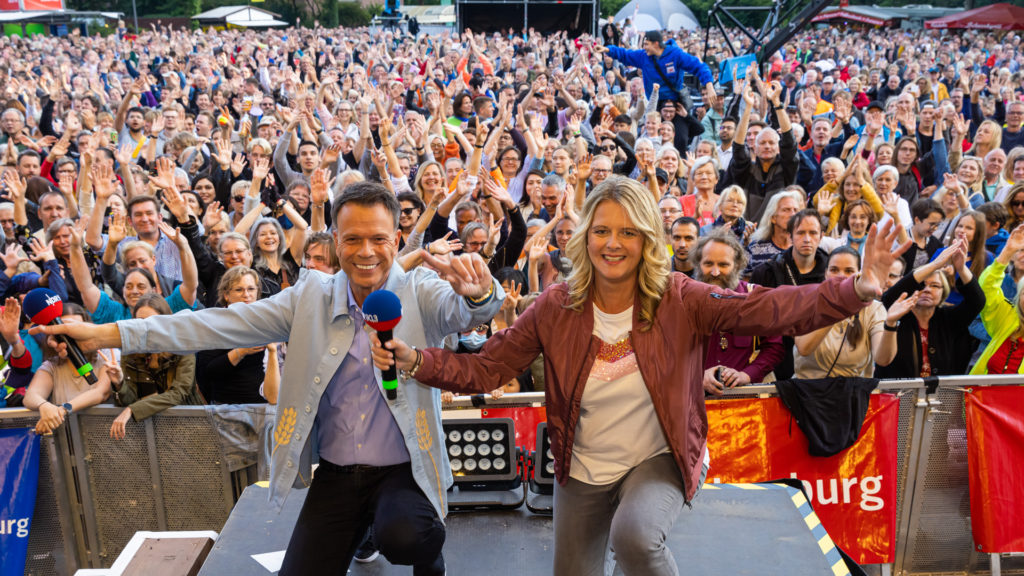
(169, 473)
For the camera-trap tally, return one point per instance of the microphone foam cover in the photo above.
(43, 305)
(382, 310)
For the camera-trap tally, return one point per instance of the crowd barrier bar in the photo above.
(933, 532)
(168, 474)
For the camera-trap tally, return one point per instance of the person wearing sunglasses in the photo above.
(1015, 205)
(615, 146)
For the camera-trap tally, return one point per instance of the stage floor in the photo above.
(731, 531)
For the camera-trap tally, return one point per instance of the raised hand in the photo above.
(958, 252)
(238, 164)
(117, 230)
(10, 320)
(445, 245)
(510, 305)
(332, 152)
(774, 91)
(41, 252)
(826, 201)
(900, 307)
(176, 204)
(1015, 243)
(123, 155)
(890, 203)
(319, 186)
(538, 249)
(157, 126)
(13, 256)
(164, 178)
(15, 186)
(260, 168)
(212, 216)
(878, 259)
(749, 96)
(66, 184)
(175, 235)
(467, 273)
(111, 366)
(61, 147)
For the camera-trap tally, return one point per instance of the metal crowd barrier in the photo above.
(169, 474)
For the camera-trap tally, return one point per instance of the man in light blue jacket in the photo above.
(381, 462)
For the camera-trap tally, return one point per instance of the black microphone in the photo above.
(383, 310)
(44, 307)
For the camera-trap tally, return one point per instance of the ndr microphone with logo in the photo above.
(44, 306)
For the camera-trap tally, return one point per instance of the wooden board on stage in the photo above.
(731, 531)
(169, 557)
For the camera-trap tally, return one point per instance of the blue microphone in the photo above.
(383, 310)
(44, 307)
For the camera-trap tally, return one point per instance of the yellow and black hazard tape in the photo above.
(825, 543)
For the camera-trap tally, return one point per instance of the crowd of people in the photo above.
(176, 170)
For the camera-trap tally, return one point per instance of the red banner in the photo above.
(44, 4)
(525, 419)
(853, 493)
(995, 459)
(9, 5)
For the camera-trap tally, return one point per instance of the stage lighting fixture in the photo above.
(540, 500)
(543, 463)
(485, 464)
(481, 452)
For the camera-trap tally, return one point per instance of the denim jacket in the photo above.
(312, 316)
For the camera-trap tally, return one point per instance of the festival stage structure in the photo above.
(546, 16)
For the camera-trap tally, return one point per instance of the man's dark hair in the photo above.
(510, 274)
(367, 194)
(763, 125)
(322, 239)
(729, 119)
(995, 212)
(142, 199)
(686, 220)
(622, 119)
(107, 153)
(29, 154)
(136, 110)
(481, 102)
(922, 208)
(796, 219)
(55, 194)
(309, 143)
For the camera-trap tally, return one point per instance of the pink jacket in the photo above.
(669, 355)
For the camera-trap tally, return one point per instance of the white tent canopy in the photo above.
(246, 16)
(658, 15)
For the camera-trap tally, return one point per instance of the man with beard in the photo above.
(731, 360)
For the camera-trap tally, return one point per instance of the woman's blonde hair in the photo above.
(653, 274)
(230, 278)
(997, 137)
(730, 191)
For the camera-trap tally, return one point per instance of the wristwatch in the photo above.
(67, 407)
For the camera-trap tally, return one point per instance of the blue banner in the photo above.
(19, 476)
(735, 68)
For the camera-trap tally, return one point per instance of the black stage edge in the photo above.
(732, 530)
